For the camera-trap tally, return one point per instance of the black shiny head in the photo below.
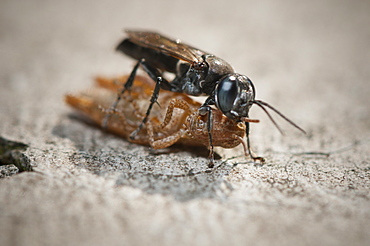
(234, 96)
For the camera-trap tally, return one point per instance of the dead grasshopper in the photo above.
(174, 119)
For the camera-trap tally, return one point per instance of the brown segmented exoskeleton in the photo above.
(176, 118)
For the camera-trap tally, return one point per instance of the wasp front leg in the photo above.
(205, 109)
(249, 149)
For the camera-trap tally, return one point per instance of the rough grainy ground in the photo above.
(309, 59)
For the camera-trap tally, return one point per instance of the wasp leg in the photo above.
(250, 152)
(127, 86)
(161, 82)
(154, 74)
(112, 85)
(174, 103)
(206, 109)
(153, 100)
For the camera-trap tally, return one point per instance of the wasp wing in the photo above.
(166, 45)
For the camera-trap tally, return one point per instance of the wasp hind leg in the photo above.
(153, 100)
(155, 75)
(126, 87)
(161, 82)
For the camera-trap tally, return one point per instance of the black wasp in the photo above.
(196, 73)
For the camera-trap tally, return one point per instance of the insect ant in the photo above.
(196, 73)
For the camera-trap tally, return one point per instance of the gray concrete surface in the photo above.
(309, 59)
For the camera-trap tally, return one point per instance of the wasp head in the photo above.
(234, 96)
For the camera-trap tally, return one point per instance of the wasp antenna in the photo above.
(262, 103)
(258, 103)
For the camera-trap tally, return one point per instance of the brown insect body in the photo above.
(176, 120)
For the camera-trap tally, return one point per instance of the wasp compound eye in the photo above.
(227, 91)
